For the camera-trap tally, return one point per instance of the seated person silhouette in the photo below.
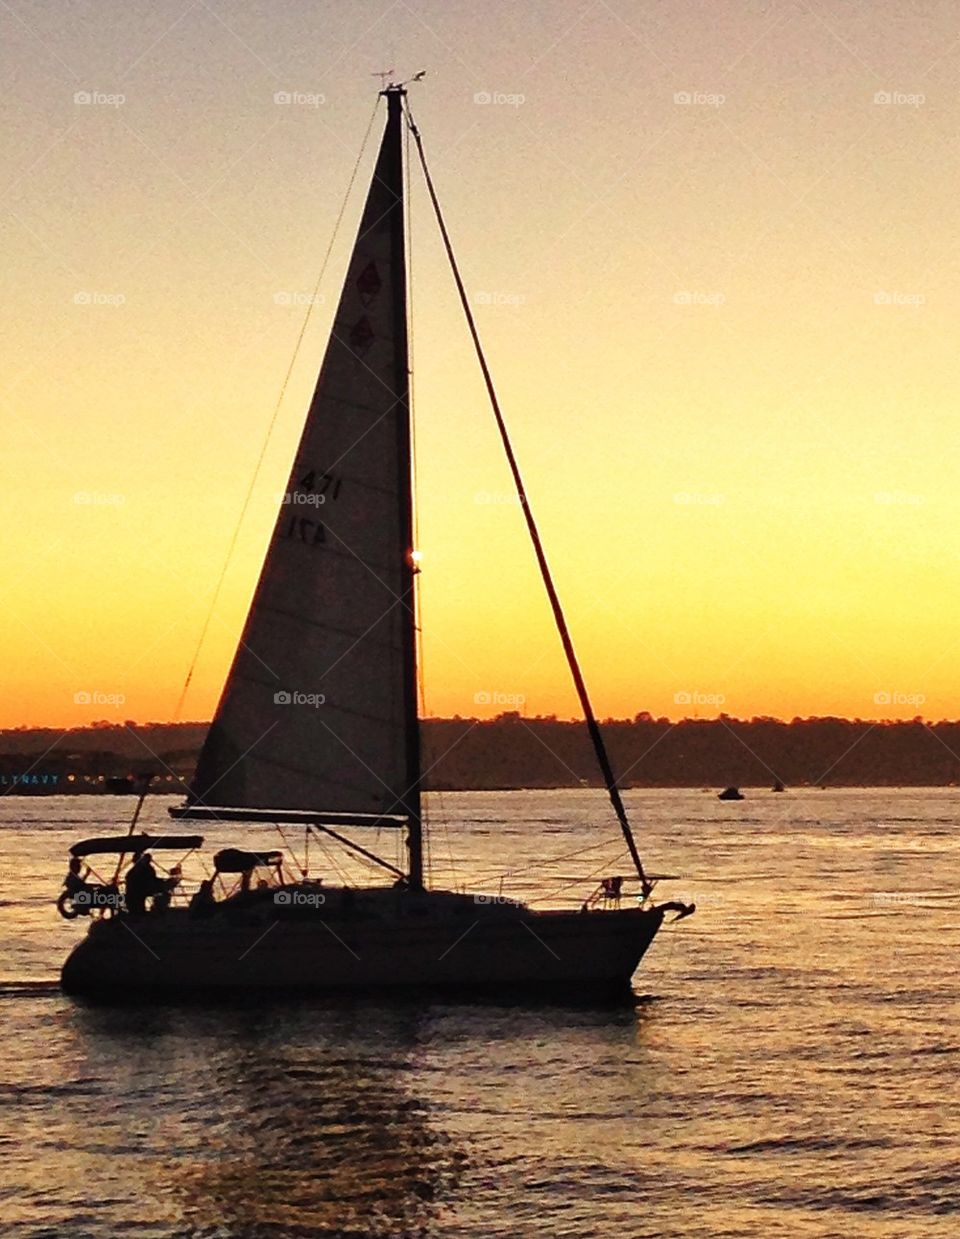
(141, 883)
(204, 902)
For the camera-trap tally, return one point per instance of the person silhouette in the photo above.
(204, 902)
(141, 882)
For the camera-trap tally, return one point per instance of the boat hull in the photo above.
(573, 954)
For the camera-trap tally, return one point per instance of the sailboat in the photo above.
(334, 617)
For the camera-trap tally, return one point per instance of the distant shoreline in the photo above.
(749, 792)
(513, 752)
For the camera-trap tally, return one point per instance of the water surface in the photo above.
(789, 1068)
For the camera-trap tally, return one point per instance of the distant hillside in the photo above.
(512, 751)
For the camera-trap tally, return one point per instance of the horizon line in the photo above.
(642, 717)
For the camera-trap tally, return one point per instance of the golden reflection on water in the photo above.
(292, 1121)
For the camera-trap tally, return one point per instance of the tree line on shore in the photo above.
(513, 751)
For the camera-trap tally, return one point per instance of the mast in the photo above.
(393, 171)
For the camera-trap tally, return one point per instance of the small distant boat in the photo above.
(778, 787)
(731, 793)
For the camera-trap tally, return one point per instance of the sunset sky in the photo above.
(713, 255)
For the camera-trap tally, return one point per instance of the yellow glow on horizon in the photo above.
(722, 335)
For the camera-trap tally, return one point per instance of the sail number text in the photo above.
(316, 483)
(302, 529)
(314, 488)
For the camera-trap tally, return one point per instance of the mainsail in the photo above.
(319, 709)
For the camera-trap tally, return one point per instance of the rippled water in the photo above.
(789, 1070)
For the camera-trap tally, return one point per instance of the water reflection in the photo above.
(320, 1120)
(281, 1121)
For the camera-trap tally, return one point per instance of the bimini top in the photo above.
(235, 860)
(118, 844)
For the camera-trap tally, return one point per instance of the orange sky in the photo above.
(713, 258)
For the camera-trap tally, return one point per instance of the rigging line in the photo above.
(557, 890)
(355, 847)
(330, 857)
(273, 421)
(571, 855)
(445, 822)
(344, 873)
(593, 727)
(293, 855)
(538, 865)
